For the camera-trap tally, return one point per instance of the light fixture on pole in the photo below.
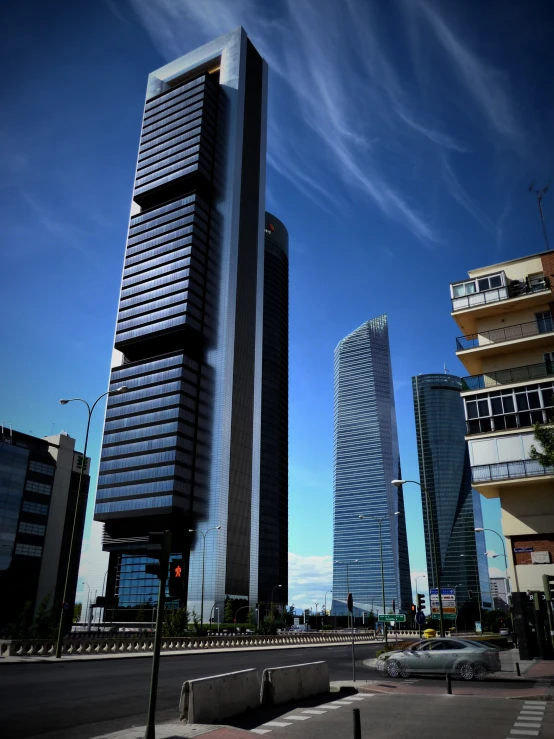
(72, 545)
(431, 527)
(379, 522)
(480, 528)
(204, 533)
(325, 606)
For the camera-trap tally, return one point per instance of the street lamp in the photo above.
(480, 528)
(72, 546)
(204, 533)
(88, 598)
(470, 556)
(325, 606)
(416, 578)
(350, 562)
(431, 527)
(379, 522)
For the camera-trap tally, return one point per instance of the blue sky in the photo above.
(403, 136)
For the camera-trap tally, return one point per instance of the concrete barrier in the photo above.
(283, 684)
(210, 699)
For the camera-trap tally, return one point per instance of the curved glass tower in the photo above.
(366, 460)
(445, 471)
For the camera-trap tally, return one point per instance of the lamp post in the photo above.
(350, 562)
(379, 522)
(325, 606)
(470, 556)
(480, 528)
(271, 602)
(72, 545)
(217, 609)
(431, 527)
(416, 578)
(88, 599)
(204, 534)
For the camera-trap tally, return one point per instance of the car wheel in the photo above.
(479, 671)
(465, 671)
(393, 668)
(404, 671)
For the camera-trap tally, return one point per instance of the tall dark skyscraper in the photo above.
(366, 461)
(445, 471)
(181, 449)
(274, 483)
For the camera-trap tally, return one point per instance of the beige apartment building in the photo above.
(505, 314)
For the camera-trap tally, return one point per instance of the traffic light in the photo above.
(350, 602)
(176, 579)
(420, 602)
(413, 609)
(548, 586)
(158, 547)
(470, 593)
(393, 606)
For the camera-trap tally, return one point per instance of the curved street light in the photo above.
(72, 546)
(480, 528)
(204, 533)
(325, 606)
(431, 527)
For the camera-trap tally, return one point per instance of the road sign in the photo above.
(444, 610)
(444, 591)
(420, 618)
(452, 616)
(388, 617)
(443, 597)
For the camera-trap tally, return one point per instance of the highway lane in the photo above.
(85, 699)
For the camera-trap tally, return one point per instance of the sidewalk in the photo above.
(178, 730)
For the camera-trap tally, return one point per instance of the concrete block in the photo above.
(211, 699)
(283, 684)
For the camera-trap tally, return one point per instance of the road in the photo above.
(79, 700)
(85, 699)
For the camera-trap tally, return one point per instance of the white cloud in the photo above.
(309, 579)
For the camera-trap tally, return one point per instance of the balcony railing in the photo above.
(505, 333)
(508, 471)
(508, 376)
(508, 421)
(514, 290)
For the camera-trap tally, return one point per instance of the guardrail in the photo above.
(140, 645)
(505, 333)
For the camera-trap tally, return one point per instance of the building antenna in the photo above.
(540, 194)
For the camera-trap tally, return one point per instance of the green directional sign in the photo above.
(392, 617)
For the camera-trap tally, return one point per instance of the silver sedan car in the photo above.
(464, 658)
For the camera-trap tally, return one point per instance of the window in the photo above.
(464, 288)
(31, 528)
(536, 282)
(544, 322)
(38, 487)
(490, 282)
(28, 550)
(506, 409)
(45, 469)
(39, 508)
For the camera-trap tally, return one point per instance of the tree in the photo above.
(44, 625)
(229, 611)
(77, 608)
(141, 616)
(544, 434)
(175, 622)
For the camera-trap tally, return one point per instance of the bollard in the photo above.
(448, 684)
(357, 723)
(518, 671)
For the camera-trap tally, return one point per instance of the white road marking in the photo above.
(524, 732)
(260, 731)
(343, 702)
(355, 697)
(331, 706)
(277, 723)
(535, 703)
(312, 710)
(530, 706)
(297, 718)
(522, 725)
(530, 716)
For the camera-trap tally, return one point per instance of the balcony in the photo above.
(505, 333)
(508, 471)
(508, 376)
(481, 298)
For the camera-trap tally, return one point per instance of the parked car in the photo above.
(504, 631)
(460, 657)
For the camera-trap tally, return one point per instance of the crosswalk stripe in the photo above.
(297, 718)
(312, 710)
(260, 731)
(524, 732)
(277, 723)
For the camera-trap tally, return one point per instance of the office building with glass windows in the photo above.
(39, 481)
(274, 469)
(181, 448)
(445, 471)
(366, 460)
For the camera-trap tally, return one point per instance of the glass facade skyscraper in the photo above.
(445, 471)
(366, 459)
(181, 448)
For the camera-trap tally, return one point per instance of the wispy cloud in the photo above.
(465, 200)
(309, 579)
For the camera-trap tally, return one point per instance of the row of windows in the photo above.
(181, 309)
(116, 478)
(162, 101)
(163, 119)
(28, 550)
(178, 107)
(168, 143)
(195, 114)
(155, 389)
(165, 176)
(147, 405)
(169, 246)
(170, 223)
(149, 431)
(145, 460)
(190, 153)
(200, 105)
(46, 469)
(147, 418)
(140, 504)
(175, 134)
(190, 164)
(157, 364)
(171, 147)
(29, 507)
(158, 378)
(144, 265)
(31, 528)
(177, 289)
(157, 272)
(182, 297)
(162, 325)
(146, 287)
(144, 488)
(38, 487)
(509, 401)
(154, 213)
(148, 445)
